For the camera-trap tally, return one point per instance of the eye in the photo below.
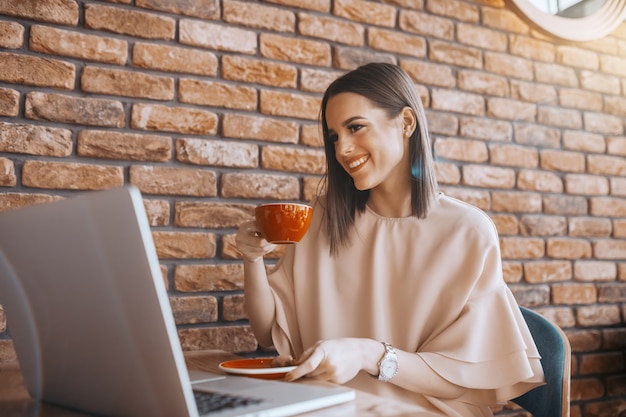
(354, 127)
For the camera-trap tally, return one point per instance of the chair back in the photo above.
(553, 398)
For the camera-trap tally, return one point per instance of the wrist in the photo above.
(371, 351)
(251, 260)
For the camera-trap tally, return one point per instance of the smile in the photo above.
(355, 164)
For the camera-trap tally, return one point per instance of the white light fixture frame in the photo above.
(595, 26)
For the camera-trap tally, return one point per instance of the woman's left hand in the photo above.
(334, 360)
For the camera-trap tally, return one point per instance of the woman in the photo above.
(396, 289)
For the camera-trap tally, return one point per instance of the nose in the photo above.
(344, 145)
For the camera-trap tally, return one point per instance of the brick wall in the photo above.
(210, 107)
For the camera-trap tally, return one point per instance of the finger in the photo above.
(307, 366)
(282, 360)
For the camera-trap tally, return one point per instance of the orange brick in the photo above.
(455, 9)
(10, 201)
(173, 119)
(217, 153)
(428, 73)
(129, 22)
(566, 118)
(547, 271)
(481, 37)
(522, 248)
(204, 9)
(184, 245)
(533, 180)
(574, 294)
(316, 81)
(461, 150)
(595, 271)
(261, 128)
(11, 35)
(258, 16)
(580, 99)
(366, 12)
(488, 176)
(332, 29)
(278, 158)
(541, 225)
(562, 160)
(483, 83)
(516, 202)
(212, 215)
(126, 146)
(512, 155)
(233, 308)
(193, 310)
(7, 173)
(73, 44)
(298, 50)
(531, 48)
(447, 173)
(174, 59)
(426, 25)
(217, 37)
(485, 129)
(455, 54)
(456, 101)
(64, 12)
(586, 389)
(158, 212)
(210, 93)
(504, 108)
(510, 66)
(567, 248)
(71, 175)
(75, 110)
(230, 338)
(278, 103)
(586, 184)
(555, 74)
(257, 71)
(603, 123)
(504, 19)
(126, 83)
(399, 43)
(507, 224)
(174, 181)
(260, 186)
(9, 102)
(35, 71)
(196, 278)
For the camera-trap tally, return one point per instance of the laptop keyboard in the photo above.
(207, 402)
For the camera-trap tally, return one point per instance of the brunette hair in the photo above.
(389, 88)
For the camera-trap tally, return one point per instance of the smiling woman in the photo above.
(601, 19)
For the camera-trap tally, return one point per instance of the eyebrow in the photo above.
(351, 119)
(347, 122)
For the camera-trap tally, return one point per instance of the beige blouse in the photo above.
(432, 286)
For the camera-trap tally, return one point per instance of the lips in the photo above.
(357, 162)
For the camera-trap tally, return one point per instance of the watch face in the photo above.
(388, 368)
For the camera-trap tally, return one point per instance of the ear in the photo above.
(409, 121)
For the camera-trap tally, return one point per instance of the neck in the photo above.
(386, 205)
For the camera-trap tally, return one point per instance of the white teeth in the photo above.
(358, 162)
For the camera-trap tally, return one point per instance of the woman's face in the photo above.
(371, 147)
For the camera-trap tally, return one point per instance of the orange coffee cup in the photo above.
(282, 223)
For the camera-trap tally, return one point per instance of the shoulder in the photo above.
(463, 216)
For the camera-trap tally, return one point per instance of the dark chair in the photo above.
(553, 398)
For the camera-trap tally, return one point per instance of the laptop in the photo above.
(90, 320)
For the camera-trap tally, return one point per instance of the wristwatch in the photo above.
(388, 364)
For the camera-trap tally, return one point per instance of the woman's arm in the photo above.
(339, 360)
(258, 298)
(258, 301)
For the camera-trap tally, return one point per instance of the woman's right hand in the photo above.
(250, 242)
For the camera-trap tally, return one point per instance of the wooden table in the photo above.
(16, 402)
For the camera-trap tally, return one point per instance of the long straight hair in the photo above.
(389, 88)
